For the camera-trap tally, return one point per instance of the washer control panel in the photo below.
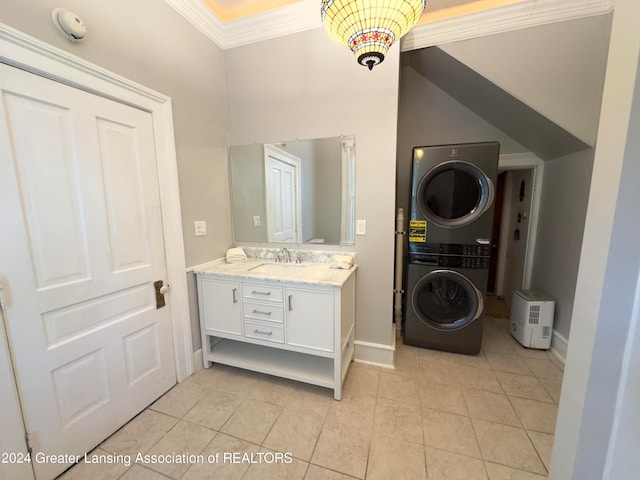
(455, 249)
(446, 261)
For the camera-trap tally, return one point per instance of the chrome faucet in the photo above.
(286, 256)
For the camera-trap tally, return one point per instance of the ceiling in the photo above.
(232, 23)
(231, 10)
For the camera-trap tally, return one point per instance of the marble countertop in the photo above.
(308, 273)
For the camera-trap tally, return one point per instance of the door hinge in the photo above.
(27, 439)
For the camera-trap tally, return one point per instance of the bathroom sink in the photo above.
(275, 267)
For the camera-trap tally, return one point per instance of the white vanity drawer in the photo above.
(270, 333)
(263, 311)
(263, 293)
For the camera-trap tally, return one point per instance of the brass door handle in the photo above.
(160, 289)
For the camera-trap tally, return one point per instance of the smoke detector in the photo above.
(68, 24)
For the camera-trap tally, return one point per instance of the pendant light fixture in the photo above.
(370, 27)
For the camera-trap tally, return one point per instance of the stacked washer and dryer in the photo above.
(450, 226)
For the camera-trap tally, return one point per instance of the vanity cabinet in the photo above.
(300, 331)
(220, 308)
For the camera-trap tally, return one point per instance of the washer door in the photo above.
(446, 300)
(454, 193)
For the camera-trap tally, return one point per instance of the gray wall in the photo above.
(328, 199)
(307, 85)
(248, 192)
(148, 42)
(563, 209)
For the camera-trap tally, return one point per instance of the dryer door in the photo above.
(446, 300)
(454, 194)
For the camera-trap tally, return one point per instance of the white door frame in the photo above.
(524, 161)
(25, 52)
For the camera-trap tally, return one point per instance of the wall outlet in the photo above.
(200, 228)
(256, 220)
(361, 227)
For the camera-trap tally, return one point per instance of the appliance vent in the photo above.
(532, 318)
(534, 314)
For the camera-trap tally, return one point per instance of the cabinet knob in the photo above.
(290, 303)
(234, 295)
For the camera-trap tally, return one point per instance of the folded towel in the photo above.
(341, 261)
(236, 255)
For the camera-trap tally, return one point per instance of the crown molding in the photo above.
(197, 13)
(305, 15)
(503, 19)
(286, 20)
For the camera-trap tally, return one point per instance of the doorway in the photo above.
(515, 223)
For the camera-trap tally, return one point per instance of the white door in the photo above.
(281, 181)
(81, 245)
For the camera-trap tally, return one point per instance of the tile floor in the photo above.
(437, 416)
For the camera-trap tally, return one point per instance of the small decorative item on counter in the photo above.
(342, 261)
(236, 255)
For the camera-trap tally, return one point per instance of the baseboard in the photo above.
(375, 353)
(559, 346)
(197, 360)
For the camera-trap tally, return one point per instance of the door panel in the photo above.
(81, 248)
(124, 194)
(46, 165)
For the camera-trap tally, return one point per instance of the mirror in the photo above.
(300, 191)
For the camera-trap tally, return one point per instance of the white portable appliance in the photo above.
(532, 318)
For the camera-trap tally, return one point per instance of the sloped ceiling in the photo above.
(530, 128)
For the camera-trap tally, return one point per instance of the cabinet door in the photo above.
(309, 316)
(221, 307)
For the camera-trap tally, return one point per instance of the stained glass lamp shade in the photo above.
(370, 27)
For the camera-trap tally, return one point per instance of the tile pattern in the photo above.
(437, 416)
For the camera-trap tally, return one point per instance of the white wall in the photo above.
(557, 69)
(306, 85)
(563, 208)
(608, 274)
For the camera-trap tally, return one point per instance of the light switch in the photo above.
(200, 227)
(256, 220)
(361, 227)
